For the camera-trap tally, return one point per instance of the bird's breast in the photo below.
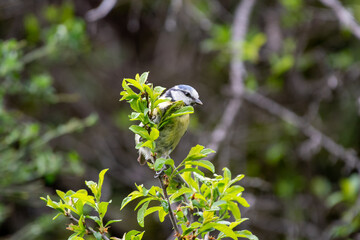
(171, 134)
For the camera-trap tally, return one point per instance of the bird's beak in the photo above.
(198, 102)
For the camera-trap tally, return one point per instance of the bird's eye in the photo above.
(187, 94)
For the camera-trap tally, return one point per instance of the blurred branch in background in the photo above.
(101, 11)
(172, 12)
(237, 73)
(345, 17)
(317, 137)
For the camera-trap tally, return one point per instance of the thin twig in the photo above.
(172, 12)
(345, 17)
(171, 213)
(237, 72)
(36, 54)
(350, 157)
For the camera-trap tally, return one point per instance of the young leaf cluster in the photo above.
(26, 82)
(204, 205)
(73, 205)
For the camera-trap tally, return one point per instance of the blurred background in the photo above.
(289, 120)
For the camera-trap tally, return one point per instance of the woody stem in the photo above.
(171, 213)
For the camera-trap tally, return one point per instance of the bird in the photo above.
(171, 132)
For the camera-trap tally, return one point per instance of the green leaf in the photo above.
(233, 207)
(208, 216)
(125, 201)
(154, 134)
(191, 170)
(82, 195)
(140, 131)
(61, 194)
(132, 196)
(160, 162)
(136, 105)
(205, 164)
(239, 199)
(143, 77)
(97, 235)
(236, 179)
(152, 210)
(135, 116)
(165, 205)
(148, 199)
(227, 174)
(94, 218)
(192, 183)
(103, 208)
(128, 97)
(141, 214)
(112, 221)
(131, 234)
(162, 214)
(149, 144)
(222, 228)
(135, 83)
(139, 236)
(79, 206)
(154, 190)
(182, 111)
(196, 150)
(93, 186)
(75, 237)
(235, 190)
(246, 234)
(195, 153)
(207, 151)
(161, 100)
(180, 192)
(100, 183)
(158, 90)
(54, 205)
(199, 196)
(57, 215)
(187, 231)
(80, 228)
(149, 91)
(126, 87)
(218, 203)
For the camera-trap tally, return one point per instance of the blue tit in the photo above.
(171, 133)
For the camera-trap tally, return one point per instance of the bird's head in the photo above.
(184, 93)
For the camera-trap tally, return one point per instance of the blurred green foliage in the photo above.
(73, 205)
(28, 160)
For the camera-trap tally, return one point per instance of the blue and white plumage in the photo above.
(172, 131)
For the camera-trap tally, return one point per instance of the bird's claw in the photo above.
(160, 173)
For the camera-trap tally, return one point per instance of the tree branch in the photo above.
(348, 156)
(345, 17)
(237, 72)
(171, 213)
(101, 11)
